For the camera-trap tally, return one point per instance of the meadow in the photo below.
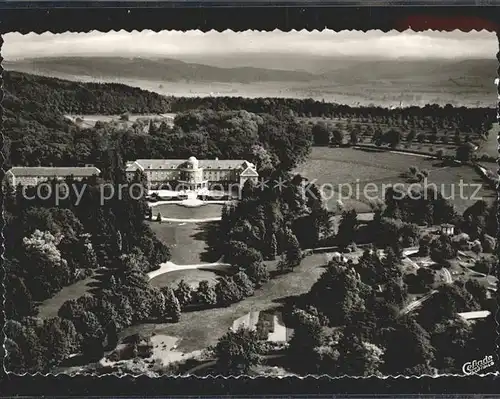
(345, 172)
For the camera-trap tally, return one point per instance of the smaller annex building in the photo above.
(193, 174)
(31, 176)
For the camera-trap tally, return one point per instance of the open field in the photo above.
(344, 173)
(199, 329)
(181, 212)
(51, 306)
(89, 121)
(186, 241)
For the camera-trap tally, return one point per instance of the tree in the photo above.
(464, 152)
(237, 351)
(258, 273)
(347, 228)
(244, 284)
(337, 137)
(59, 336)
(293, 253)
(442, 249)
(354, 137)
(172, 305)
(227, 291)
(408, 347)
(303, 346)
(358, 358)
(27, 346)
(184, 293)
(321, 134)
(205, 294)
(452, 339)
(392, 137)
(240, 254)
(273, 247)
(411, 136)
(339, 293)
(18, 299)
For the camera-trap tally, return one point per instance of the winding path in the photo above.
(169, 267)
(415, 304)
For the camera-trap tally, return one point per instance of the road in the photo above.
(447, 275)
(415, 304)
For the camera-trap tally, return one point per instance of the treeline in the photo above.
(270, 142)
(428, 116)
(68, 97)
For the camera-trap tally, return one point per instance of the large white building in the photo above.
(31, 176)
(193, 174)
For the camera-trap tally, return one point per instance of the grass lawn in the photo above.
(187, 241)
(344, 169)
(200, 329)
(348, 171)
(192, 277)
(181, 212)
(51, 306)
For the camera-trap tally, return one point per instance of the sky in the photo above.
(178, 44)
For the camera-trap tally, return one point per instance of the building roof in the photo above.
(49, 171)
(480, 314)
(224, 164)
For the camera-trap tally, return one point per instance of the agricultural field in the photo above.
(345, 172)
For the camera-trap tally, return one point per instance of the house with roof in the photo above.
(193, 174)
(31, 176)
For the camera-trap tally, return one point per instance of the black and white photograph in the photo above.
(259, 203)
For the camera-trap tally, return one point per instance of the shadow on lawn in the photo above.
(208, 232)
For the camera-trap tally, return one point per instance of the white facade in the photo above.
(193, 174)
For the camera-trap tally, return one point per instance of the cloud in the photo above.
(176, 44)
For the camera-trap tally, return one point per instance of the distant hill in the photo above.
(151, 69)
(471, 72)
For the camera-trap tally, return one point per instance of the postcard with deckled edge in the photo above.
(180, 203)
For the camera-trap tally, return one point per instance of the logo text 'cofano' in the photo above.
(476, 366)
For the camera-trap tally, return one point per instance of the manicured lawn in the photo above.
(187, 241)
(181, 212)
(51, 306)
(192, 277)
(200, 329)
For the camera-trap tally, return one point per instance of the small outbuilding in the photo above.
(447, 229)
